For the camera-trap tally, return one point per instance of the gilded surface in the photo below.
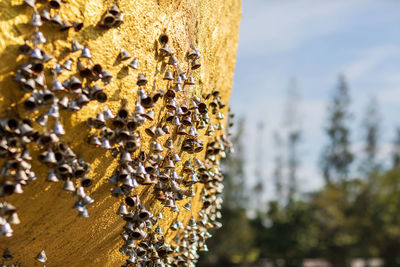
(48, 220)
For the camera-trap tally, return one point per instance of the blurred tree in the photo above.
(292, 124)
(337, 157)
(278, 168)
(369, 164)
(259, 167)
(396, 150)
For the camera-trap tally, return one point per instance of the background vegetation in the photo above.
(356, 214)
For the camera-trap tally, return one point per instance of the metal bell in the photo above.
(158, 230)
(108, 114)
(76, 46)
(84, 213)
(86, 52)
(190, 81)
(36, 54)
(159, 132)
(67, 64)
(173, 60)
(195, 65)
(30, 3)
(54, 111)
(125, 157)
(42, 120)
(106, 77)
(75, 83)
(57, 85)
(36, 20)
(134, 64)
(38, 38)
(58, 128)
(86, 200)
(56, 19)
(30, 103)
(105, 143)
(169, 143)
(124, 55)
(86, 182)
(64, 102)
(141, 80)
(168, 76)
(55, 4)
(45, 15)
(69, 185)
(149, 115)
(157, 148)
(165, 50)
(41, 257)
(144, 214)
(188, 206)
(77, 26)
(151, 131)
(119, 19)
(122, 210)
(139, 109)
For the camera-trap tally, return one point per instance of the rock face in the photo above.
(49, 221)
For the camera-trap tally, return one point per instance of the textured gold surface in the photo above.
(48, 220)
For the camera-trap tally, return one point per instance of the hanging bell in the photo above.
(38, 38)
(36, 20)
(168, 76)
(56, 19)
(165, 50)
(55, 4)
(141, 80)
(108, 114)
(58, 128)
(69, 185)
(45, 14)
(190, 81)
(54, 111)
(122, 210)
(36, 54)
(195, 65)
(173, 60)
(41, 257)
(134, 64)
(124, 55)
(67, 64)
(157, 148)
(86, 52)
(188, 206)
(30, 3)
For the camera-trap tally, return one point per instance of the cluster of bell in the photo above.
(186, 121)
(144, 243)
(15, 135)
(65, 166)
(176, 75)
(44, 16)
(8, 216)
(112, 18)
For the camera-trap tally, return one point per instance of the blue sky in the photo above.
(312, 42)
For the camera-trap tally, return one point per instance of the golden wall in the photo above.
(48, 220)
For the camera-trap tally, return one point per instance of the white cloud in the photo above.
(370, 60)
(277, 26)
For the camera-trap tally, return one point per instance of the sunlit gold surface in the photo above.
(48, 220)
